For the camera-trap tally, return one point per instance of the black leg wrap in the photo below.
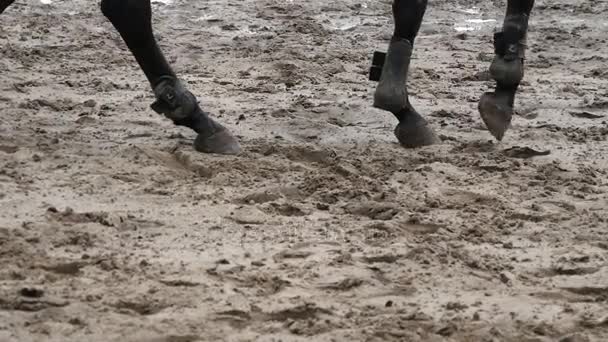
(506, 50)
(509, 46)
(174, 101)
(181, 107)
(391, 92)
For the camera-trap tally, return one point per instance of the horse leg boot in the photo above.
(391, 93)
(132, 19)
(507, 68)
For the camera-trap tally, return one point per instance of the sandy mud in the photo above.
(113, 229)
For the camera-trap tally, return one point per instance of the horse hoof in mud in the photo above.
(219, 142)
(414, 131)
(496, 113)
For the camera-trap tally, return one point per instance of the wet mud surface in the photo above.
(112, 228)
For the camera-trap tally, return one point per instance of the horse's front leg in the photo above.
(132, 19)
(507, 69)
(391, 93)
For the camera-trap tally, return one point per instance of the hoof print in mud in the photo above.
(524, 152)
(373, 210)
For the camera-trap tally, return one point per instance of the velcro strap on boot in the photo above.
(375, 72)
(509, 50)
(510, 43)
(173, 100)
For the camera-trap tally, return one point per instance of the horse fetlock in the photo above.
(391, 93)
(507, 73)
(173, 100)
(510, 45)
(507, 68)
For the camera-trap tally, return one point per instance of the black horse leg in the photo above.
(4, 4)
(507, 69)
(132, 19)
(391, 92)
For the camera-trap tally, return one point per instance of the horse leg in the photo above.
(132, 19)
(391, 92)
(4, 4)
(507, 68)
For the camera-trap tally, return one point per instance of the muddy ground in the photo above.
(113, 229)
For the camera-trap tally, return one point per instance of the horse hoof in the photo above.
(220, 142)
(415, 131)
(496, 114)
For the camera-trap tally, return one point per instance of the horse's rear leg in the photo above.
(4, 4)
(132, 19)
(507, 69)
(391, 92)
